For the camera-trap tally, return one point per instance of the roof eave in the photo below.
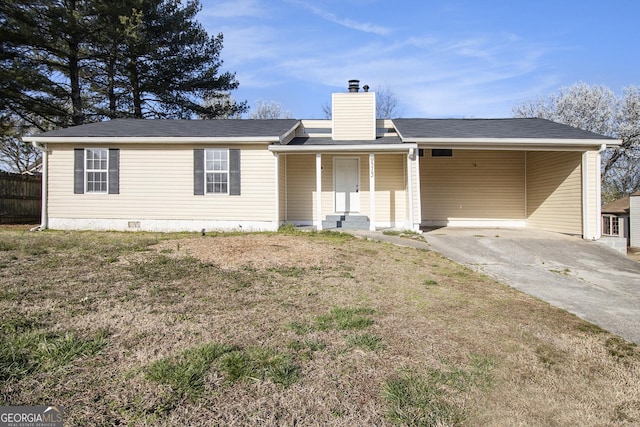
(342, 148)
(514, 143)
(151, 139)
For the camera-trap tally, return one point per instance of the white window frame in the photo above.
(211, 152)
(609, 220)
(88, 170)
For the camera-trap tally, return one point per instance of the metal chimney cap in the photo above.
(354, 85)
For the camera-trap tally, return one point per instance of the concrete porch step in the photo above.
(348, 222)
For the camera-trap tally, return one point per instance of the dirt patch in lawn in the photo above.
(259, 251)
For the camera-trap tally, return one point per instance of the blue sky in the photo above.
(440, 58)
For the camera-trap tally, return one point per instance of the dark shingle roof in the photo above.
(177, 128)
(489, 128)
(409, 129)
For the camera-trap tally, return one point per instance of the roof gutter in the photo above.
(532, 144)
(523, 141)
(342, 148)
(44, 219)
(152, 139)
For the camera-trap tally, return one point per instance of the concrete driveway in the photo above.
(586, 278)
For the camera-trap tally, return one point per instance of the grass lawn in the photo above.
(291, 329)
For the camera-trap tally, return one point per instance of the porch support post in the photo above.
(318, 191)
(590, 181)
(585, 196)
(277, 188)
(410, 158)
(372, 192)
(599, 192)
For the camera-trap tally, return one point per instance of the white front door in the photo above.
(347, 185)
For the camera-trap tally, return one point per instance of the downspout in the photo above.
(44, 213)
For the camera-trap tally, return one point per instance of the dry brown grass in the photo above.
(155, 296)
(634, 254)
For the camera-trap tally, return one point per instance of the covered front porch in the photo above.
(349, 189)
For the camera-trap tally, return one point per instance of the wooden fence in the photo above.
(20, 198)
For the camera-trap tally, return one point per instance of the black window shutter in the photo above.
(234, 172)
(198, 172)
(114, 171)
(78, 170)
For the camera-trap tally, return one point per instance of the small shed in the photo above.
(621, 222)
(615, 218)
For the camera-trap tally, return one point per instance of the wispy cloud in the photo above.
(457, 78)
(232, 9)
(279, 54)
(244, 44)
(365, 27)
(441, 59)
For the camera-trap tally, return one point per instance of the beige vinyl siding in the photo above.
(328, 196)
(156, 182)
(301, 187)
(282, 186)
(554, 191)
(354, 116)
(473, 184)
(391, 196)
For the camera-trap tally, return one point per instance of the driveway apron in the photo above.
(586, 278)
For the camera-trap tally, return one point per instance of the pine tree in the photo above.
(68, 62)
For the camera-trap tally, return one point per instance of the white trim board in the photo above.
(163, 225)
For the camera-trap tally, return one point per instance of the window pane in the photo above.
(605, 224)
(217, 165)
(96, 170)
(96, 182)
(209, 183)
(615, 226)
(220, 165)
(97, 158)
(220, 180)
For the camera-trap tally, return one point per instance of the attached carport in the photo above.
(507, 172)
